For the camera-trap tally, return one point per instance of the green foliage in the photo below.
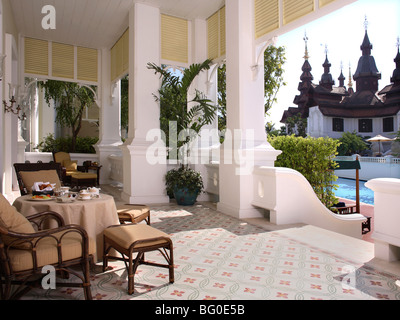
(351, 143)
(70, 102)
(125, 103)
(186, 116)
(313, 158)
(50, 144)
(274, 60)
(183, 177)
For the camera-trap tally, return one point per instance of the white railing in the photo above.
(116, 168)
(372, 167)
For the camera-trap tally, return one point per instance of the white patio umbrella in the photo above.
(378, 138)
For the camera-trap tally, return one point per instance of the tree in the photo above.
(274, 59)
(173, 97)
(351, 143)
(70, 102)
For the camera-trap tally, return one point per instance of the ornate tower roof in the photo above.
(326, 79)
(367, 74)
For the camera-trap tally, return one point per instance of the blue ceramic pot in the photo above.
(184, 197)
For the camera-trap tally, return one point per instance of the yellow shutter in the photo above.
(120, 56)
(125, 54)
(222, 32)
(36, 56)
(266, 16)
(213, 36)
(87, 64)
(63, 58)
(294, 9)
(174, 39)
(324, 2)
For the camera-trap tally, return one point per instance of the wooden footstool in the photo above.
(137, 238)
(133, 213)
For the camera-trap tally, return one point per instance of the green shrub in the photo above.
(351, 143)
(51, 144)
(313, 158)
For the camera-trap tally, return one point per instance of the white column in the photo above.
(143, 178)
(386, 218)
(246, 143)
(110, 115)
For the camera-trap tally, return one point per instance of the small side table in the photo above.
(95, 168)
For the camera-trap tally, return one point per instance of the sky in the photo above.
(342, 33)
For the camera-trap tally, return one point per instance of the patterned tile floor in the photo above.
(218, 257)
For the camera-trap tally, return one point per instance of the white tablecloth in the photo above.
(93, 215)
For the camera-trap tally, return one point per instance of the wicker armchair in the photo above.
(28, 173)
(25, 248)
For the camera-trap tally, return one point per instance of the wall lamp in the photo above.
(13, 93)
(14, 89)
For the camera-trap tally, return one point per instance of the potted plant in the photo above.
(173, 97)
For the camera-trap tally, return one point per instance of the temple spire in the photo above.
(395, 79)
(326, 79)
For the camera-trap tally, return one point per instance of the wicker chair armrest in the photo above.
(35, 238)
(46, 215)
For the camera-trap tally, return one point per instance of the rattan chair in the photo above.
(28, 173)
(25, 248)
(74, 175)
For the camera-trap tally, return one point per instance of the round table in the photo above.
(93, 215)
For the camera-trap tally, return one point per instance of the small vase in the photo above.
(184, 197)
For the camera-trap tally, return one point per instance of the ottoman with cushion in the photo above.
(137, 238)
(133, 213)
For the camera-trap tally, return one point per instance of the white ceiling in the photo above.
(97, 23)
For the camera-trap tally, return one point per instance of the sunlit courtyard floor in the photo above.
(218, 257)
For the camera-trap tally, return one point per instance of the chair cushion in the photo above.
(126, 235)
(61, 157)
(70, 165)
(132, 211)
(12, 220)
(71, 248)
(84, 175)
(30, 177)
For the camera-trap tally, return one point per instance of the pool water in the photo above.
(347, 190)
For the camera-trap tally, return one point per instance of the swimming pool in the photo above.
(347, 190)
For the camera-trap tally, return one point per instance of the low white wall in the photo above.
(290, 199)
(47, 157)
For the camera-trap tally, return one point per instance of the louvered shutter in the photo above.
(87, 64)
(266, 16)
(294, 9)
(63, 57)
(174, 39)
(36, 57)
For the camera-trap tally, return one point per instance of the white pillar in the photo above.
(246, 143)
(386, 218)
(143, 179)
(110, 115)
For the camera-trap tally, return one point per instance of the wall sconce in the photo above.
(14, 89)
